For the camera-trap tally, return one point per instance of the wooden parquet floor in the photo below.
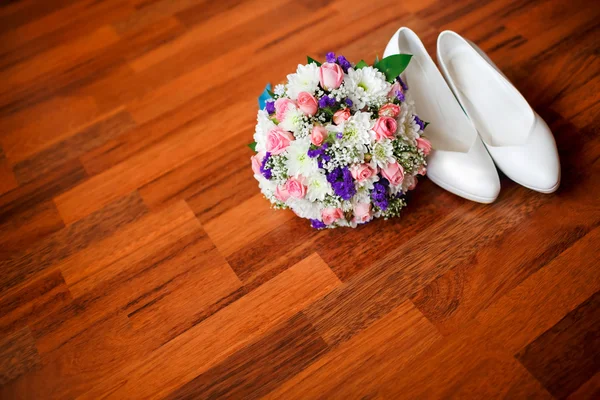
(138, 259)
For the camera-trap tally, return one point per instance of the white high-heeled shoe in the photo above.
(459, 161)
(517, 138)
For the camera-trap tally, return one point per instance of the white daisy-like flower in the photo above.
(279, 90)
(408, 128)
(317, 187)
(298, 162)
(362, 195)
(383, 153)
(305, 208)
(355, 131)
(306, 79)
(267, 187)
(366, 86)
(293, 121)
(263, 126)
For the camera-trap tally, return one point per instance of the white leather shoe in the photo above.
(459, 161)
(517, 138)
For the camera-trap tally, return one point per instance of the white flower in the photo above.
(362, 195)
(317, 186)
(266, 186)
(382, 153)
(355, 131)
(263, 126)
(293, 120)
(305, 208)
(279, 90)
(306, 79)
(298, 162)
(366, 86)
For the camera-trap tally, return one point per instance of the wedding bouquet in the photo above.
(340, 144)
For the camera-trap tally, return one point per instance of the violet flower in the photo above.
(267, 173)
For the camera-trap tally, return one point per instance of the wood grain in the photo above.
(138, 258)
(568, 354)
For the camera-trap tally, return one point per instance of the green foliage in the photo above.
(394, 65)
(313, 61)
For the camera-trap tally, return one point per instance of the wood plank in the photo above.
(255, 370)
(94, 263)
(568, 354)
(190, 141)
(134, 282)
(358, 368)
(18, 355)
(7, 178)
(239, 324)
(46, 159)
(589, 390)
(28, 226)
(58, 246)
(464, 366)
(251, 219)
(401, 273)
(558, 288)
(35, 300)
(22, 200)
(457, 296)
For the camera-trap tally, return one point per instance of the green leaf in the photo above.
(271, 93)
(252, 146)
(392, 66)
(313, 61)
(425, 125)
(361, 64)
(376, 59)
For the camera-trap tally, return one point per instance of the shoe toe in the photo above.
(535, 164)
(471, 175)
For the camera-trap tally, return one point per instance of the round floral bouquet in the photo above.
(340, 144)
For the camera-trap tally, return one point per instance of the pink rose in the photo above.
(394, 173)
(389, 110)
(362, 172)
(330, 215)
(318, 135)
(385, 127)
(307, 103)
(413, 184)
(282, 106)
(330, 76)
(422, 171)
(278, 140)
(362, 212)
(257, 160)
(295, 188)
(281, 193)
(424, 145)
(341, 116)
(396, 87)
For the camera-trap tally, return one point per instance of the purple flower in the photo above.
(326, 101)
(399, 96)
(264, 171)
(342, 183)
(401, 82)
(379, 194)
(270, 107)
(345, 64)
(317, 224)
(339, 135)
(348, 102)
(330, 57)
(419, 122)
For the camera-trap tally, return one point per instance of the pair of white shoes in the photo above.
(477, 119)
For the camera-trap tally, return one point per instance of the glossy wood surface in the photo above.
(139, 260)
